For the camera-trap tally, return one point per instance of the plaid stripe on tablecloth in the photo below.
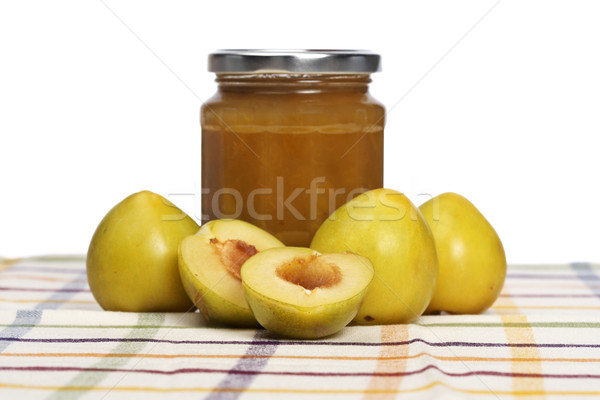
(540, 340)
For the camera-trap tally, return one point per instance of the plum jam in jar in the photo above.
(289, 137)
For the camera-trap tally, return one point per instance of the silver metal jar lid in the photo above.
(294, 61)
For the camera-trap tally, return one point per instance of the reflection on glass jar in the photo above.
(286, 141)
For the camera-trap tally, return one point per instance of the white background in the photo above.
(498, 101)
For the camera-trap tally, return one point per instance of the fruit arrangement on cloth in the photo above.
(378, 259)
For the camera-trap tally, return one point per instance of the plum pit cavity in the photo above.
(310, 273)
(233, 253)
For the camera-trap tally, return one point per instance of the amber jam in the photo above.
(284, 150)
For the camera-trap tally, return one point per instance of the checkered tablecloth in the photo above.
(541, 339)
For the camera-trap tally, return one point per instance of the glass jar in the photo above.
(289, 137)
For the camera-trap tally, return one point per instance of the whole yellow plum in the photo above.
(384, 226)
(132, 258)
(472, 263)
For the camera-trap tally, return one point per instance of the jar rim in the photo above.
(293, 61)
